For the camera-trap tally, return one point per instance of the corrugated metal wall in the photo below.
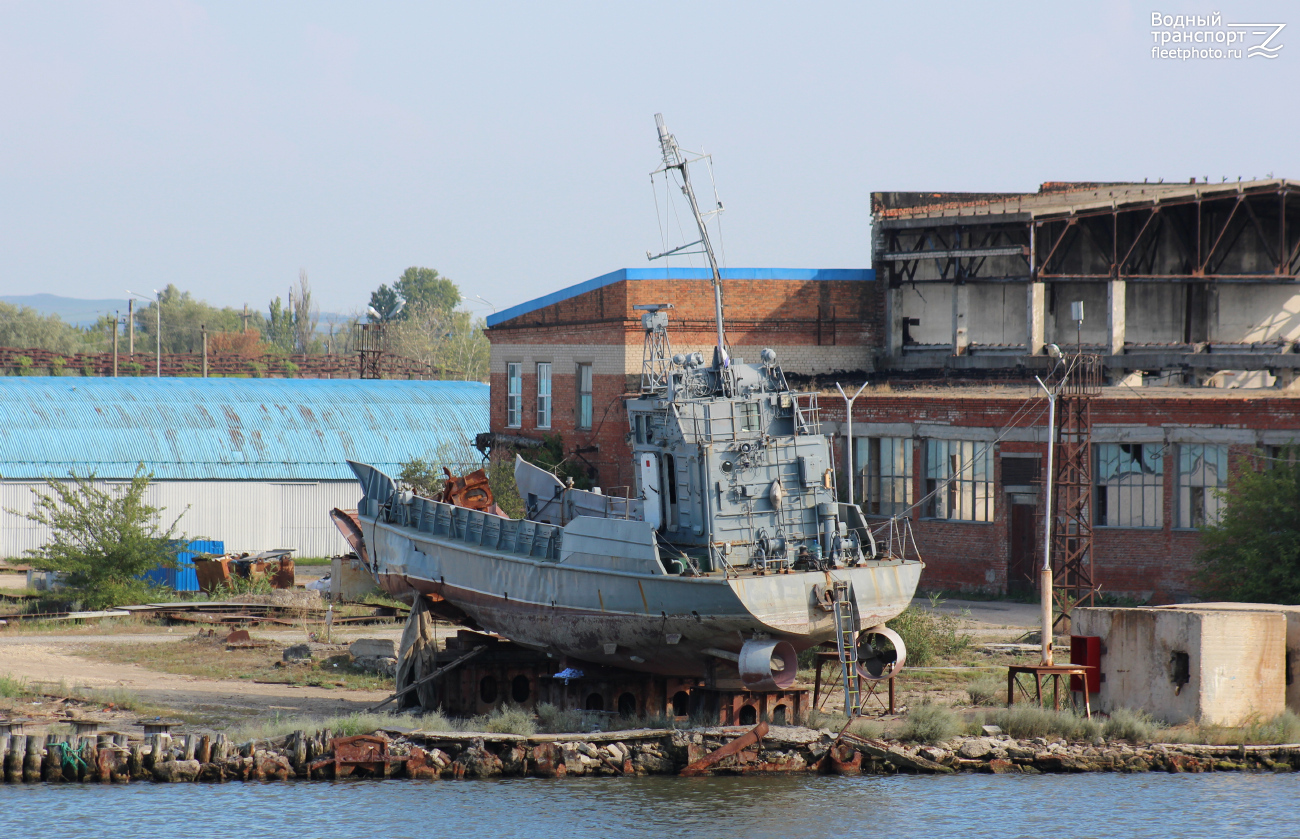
(246, 515)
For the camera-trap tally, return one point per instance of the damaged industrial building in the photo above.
(1184, 294)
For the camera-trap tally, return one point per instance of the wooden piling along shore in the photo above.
(113, 758)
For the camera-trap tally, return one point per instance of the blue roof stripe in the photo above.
(229, 429)
(805, 274)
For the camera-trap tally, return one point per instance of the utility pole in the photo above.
(245, 317)
(1045, 575)
(158, 337)
(117, 316)
(203, 330)
(850, 468)
(130, 326)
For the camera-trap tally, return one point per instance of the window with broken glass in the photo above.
(1202, 474)
(883, 470)
(959, 480)
(1128, 485)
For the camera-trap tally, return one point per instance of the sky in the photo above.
(225, 146)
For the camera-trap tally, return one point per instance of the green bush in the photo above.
(929, 723)
(13, 687)
(552, 720)
(929, 635)
(510, 720)
(985, 690)
(1126, 724)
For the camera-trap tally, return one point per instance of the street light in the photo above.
(489, 302)
(157, 330)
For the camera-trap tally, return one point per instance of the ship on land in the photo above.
(731, 553)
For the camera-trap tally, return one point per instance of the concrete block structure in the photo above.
(1292, 616)
(1219, 667)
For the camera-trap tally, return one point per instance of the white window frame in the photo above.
(1128, 485)
(514, 394)
(883, 472)
(543, 394)
(1202, 469)
(585, 386)
(959, 480)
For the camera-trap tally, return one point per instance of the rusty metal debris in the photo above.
(469, 490)
(217, 571)
(752, 737)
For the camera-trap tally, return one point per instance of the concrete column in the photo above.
(1036, 318)
(960, 305)
(1116, 318)
(893, 342)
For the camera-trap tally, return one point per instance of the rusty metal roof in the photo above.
(230, 429)
(1055, 198)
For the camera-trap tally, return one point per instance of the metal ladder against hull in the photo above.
(846, 642)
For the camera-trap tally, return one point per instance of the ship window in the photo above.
(520, 689)
(627, 705)
(514, 395)
(748, 416)
(779, 715)
(884, 472)
(584, 396)
(748, 715)
(1129, 490)
(681, 703)
(595, 702)
(544, 394)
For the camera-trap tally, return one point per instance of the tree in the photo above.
(182, 320)
(1253, 553)
(24, 327)
(425, 287)
(306, 315)
(101, 540)
(451, 341)
(384, 301)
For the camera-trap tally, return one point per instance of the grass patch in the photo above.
(1024, 722)
(929, 723)
(1126, 724)
(510, 721)
(208, 658)
(985, 690)
(14, 687)
(346, 725)
(1284, 728)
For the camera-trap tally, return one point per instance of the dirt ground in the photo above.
(58, 658)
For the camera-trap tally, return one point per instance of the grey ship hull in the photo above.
(652, 622)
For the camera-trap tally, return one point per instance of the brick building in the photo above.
(1190, 302)
(561, 363)
(1158, 455)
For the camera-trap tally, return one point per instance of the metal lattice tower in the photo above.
(657, 350)
(1072, 516)
(370, 351)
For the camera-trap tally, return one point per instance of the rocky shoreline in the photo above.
(113, 758)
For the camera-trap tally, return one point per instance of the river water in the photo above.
(969, 806)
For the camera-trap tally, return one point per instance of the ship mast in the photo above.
(674, 158)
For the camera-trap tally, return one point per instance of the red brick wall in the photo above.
(1157, 562)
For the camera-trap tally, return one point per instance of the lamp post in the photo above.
(157, 329)
(850, 467)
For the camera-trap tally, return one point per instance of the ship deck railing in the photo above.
(532, 539)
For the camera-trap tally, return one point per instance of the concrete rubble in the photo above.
(113, 758)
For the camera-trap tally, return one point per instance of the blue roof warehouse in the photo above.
(257, 463)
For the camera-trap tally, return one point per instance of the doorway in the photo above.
(1022, 571)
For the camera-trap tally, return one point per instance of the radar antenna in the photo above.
(675, 158)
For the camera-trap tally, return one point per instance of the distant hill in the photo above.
(71, 309)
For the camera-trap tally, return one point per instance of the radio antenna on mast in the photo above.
(675, 158)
